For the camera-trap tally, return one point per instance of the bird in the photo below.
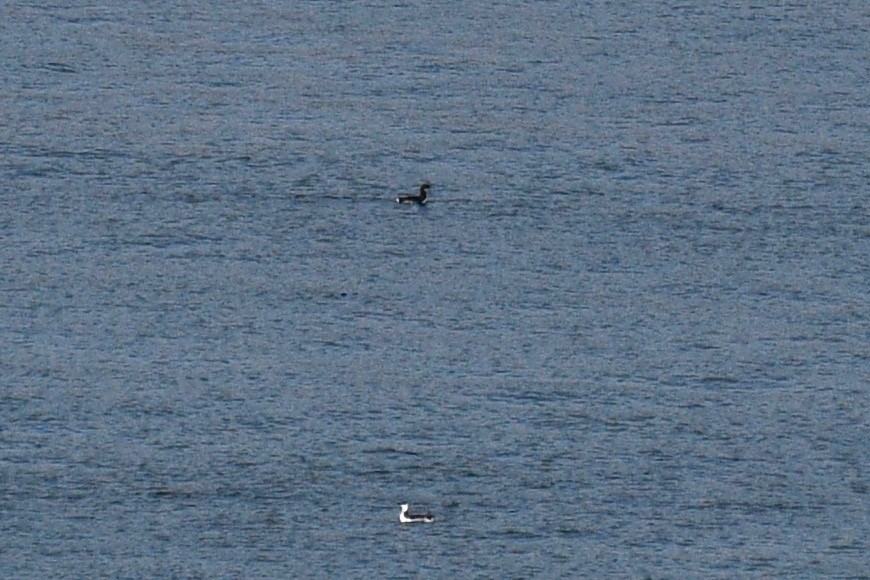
(407, 517)
(421, 199)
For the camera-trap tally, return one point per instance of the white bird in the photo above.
(406, 517)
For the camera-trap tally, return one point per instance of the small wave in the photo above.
(59, 67)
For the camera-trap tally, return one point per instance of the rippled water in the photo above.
(627, 336)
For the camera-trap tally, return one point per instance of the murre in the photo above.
(407, 517)
(421, 199)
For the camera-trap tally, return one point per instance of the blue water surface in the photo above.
(628, 336)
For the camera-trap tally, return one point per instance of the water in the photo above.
(628, 335)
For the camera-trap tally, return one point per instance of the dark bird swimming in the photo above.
(421, 199)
